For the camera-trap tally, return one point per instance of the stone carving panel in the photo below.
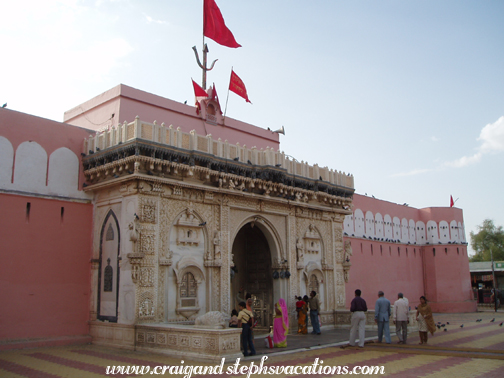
(147, 210)
(147, 243)
(146, 276)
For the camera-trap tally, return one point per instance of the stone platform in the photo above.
(175, 340)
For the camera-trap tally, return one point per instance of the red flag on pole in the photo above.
(214, 26)
(198, 91)
(451, 201)
(236, 85)
(215, 97)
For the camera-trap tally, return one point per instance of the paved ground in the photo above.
(474, 350)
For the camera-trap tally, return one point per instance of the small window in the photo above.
(188, 287)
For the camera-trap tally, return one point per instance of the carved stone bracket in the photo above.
(166, 258)
(346, 268)
(135, 260)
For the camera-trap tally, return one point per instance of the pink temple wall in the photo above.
(407, 267)
(46, 245)
(45, 270)
(126, 103)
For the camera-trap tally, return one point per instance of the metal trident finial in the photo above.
(204, 65)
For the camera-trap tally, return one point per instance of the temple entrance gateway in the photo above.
(252, 258)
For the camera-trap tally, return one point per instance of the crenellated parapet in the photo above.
(156, 152)
(171, 138)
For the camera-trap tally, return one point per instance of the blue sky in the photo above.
(408, 96)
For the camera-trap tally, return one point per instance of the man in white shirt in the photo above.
(401, 318)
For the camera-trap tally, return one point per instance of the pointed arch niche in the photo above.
(108, 278)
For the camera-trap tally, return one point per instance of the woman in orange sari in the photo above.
(303, 312)
(425, 320)
(280, 324)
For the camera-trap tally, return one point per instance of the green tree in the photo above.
(488, 238)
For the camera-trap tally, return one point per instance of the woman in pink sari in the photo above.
(280, 324)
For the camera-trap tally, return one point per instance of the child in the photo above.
(234, 319)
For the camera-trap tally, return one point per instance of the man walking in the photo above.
(245, 321)
(358, 308)
(401, 318)
(314, 312)
(382, 314)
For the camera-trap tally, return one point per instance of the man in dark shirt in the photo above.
(358, 308)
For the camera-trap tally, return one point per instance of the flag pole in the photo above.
(203, 80)
(227, 97)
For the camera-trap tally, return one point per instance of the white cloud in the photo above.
(151, 20)
(434, 139)
(465, 160)
(492, 137)
(492, 141)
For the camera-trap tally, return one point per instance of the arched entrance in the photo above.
(252, 258)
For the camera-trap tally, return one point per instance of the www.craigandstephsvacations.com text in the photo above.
(317, 368)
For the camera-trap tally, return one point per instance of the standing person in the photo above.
(307, 301)
(425, 320)
(358, 308)
(314, 312)
(401, 318)
(245, 320)
(280, 324)
(299, 303)
(382, 314)
(302, 316)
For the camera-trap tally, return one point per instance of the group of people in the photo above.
(383, 312)
(309, 305)
(245, 319)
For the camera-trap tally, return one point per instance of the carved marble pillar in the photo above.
(293, 259)
(95, 266)
(339, 274)
(226, 252)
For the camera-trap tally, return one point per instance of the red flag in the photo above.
(198, 91)
(214, 26)
(236, 85)
(215, 97)
(451, 201)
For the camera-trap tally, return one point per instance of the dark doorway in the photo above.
(252, 259)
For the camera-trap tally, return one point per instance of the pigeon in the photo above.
(443, 325)
(461, 326)
(278, 165)
(438, 326)
(202, 224)
(236, 158)
(249, 162)
(4, 105)
(500, 325)
(493, 320)
(447, 322)
(83, 154)
(445, 330)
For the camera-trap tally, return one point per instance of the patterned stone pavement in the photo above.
(475, 350)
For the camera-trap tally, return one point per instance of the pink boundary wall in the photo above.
(409, 268)
(126, 103)
(45, 270)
